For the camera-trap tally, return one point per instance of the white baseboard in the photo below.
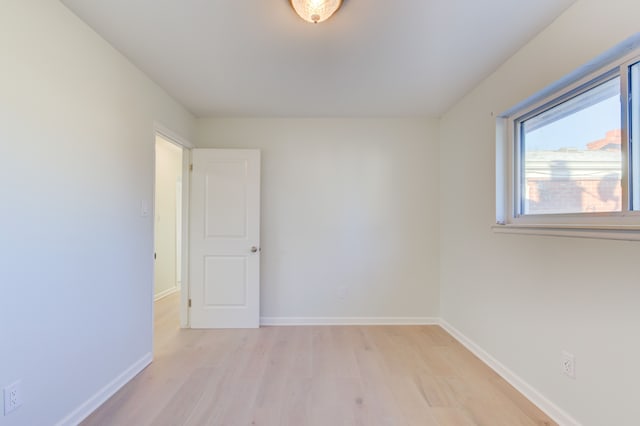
(88, 407)
(165, 293)
(274, 321)
(533, 395)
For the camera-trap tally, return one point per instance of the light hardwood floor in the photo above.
(325, 376)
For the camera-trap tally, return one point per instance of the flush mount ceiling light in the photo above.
(315, 10)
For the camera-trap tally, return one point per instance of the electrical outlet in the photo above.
(12, 397)
(569, 364)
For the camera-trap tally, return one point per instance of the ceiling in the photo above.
(373, 58)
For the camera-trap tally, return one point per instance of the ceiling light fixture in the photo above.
(315, 10)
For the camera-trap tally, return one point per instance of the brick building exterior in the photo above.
(571, 180)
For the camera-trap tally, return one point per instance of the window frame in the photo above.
(624, 224)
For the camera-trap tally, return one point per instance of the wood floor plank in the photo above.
(301, 364)
(183, 402)
(308, 376)
(447, 416)
(267, 407)
(296, 402)
(413, 403)
(323, 405)
(523, 404)
(375, 380)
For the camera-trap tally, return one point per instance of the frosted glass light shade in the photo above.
(315, 10)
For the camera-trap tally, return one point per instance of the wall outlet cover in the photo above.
(12, 397)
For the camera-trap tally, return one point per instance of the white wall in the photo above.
(524, 299)
(167, 206)
(76, 159)
(349, 214)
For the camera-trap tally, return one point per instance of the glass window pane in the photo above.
(634, 129)
(571, 159)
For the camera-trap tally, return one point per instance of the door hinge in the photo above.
(190, 167)
(189, 302)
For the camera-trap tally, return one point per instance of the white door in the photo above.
(225, 238)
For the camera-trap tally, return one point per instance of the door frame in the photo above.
(185, 289)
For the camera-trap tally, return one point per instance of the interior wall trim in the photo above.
(532, 394)
(89, 406)
(165, 293)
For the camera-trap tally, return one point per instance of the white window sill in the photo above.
(618, 232)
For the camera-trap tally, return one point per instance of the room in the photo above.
(380, 186)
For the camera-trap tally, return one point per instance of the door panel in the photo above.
(230, 269)
(226, 194)
(225, 227)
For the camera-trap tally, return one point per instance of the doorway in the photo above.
(168, 223)
(219, 264)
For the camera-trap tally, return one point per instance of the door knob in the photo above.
(254, 249)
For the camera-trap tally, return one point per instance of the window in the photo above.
(634, 132)
(570, 160)
(570, 156)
